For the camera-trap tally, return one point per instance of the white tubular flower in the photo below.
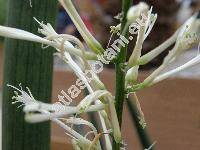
(63, 40)
(158, 50)
(39, 106)
(192, 26)
(28, 101)
(51, 34)
(79, 121)
(131, 75)
(24, 98)
(96, 82)
(83, 142)
(135, 11)
(35, 117)
(185, 37)
(77, 70)
(87, 36)
(187, 65)
(189, 34)
(32, 105)
(46, 30)
(144, 30)
(22, 35)
(87, 101)
(115, 124)
(168, 59)
(81, 75)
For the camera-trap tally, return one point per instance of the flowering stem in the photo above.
(120, 74)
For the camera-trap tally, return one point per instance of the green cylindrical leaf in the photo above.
(28, 64)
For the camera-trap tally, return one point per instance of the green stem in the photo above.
(142, 132)
(28, 64)
(120, 74)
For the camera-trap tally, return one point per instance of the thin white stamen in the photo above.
(30, 3)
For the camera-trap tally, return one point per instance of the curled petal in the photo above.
(87, 101)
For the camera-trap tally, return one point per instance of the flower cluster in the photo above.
(100, 100)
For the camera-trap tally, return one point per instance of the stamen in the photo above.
(30, 92)
(30, 2)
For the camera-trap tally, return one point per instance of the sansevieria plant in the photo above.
(136, 21)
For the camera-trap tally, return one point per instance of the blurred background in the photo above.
(171, 108)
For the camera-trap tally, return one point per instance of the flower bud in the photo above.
(189, 33)
(131, 76)
(135, 11)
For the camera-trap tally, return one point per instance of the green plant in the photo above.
(2, 14)
(134, 20)
(2, 11)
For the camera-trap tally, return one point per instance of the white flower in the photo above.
(82, 141)
(131, 75)
(22, 35)
(87, 36)
(185, 37)
(31, 106)
(135, 11)
(56, 42)
(187, 65)
(87, 101)
(158, 50)
(189, 34)
(114, 120)
(24, 98)
(145, 27)
(67, 111)
(192, 26)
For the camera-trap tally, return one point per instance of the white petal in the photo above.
(21, 34)
(87, 101)
(79, 121)
(135, 11)
(187, 65)
(34, 118)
